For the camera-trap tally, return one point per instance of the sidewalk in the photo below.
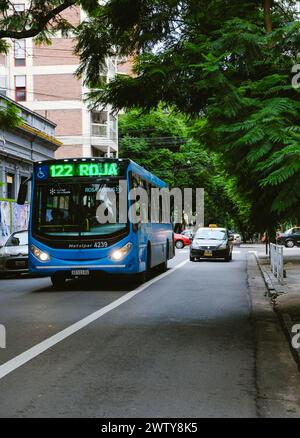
(277, 376)
(285, 298)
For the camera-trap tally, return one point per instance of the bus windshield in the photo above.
(70, 209)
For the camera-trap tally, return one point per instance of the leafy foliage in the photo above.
(9, 115)
(215, 59)
(42, 19)
(162, 142)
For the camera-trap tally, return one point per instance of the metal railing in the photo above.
(277, 262)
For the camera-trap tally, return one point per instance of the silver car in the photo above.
(14, 254)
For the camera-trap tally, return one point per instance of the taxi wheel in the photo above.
(192, 259)
(228, 257)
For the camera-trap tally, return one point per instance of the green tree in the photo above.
(162, 142)
(9, 115)
(227, 61)
(40, 19)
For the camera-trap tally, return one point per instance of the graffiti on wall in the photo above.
(13, 217)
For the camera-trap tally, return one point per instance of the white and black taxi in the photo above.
(210, 243)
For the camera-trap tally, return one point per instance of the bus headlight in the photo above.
(39, 254)
(119, 254)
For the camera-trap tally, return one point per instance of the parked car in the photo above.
(181, 241)
(237, 240)
(212, 243)
(289, 238)
(188, 233)
(14, 254)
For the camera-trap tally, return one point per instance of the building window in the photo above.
(19, 7)
(99, 123)
(97, 152)
(20, 88)
(20, 50)
(23, 179)
(3, 85)
(10, 186)
(113, 127)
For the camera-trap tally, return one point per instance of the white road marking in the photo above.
(236, 252)
(40, 348)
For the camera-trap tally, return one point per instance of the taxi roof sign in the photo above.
(213, 226)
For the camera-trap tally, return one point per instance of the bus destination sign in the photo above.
(82, 169)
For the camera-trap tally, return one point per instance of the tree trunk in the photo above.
(267, 15)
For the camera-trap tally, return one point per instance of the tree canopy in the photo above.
(162, 141)
(41, 18)
(226, 62)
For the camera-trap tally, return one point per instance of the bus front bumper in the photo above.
(71, 268)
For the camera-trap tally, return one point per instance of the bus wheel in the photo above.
(164, 265)
(145, 276)
(58, 281)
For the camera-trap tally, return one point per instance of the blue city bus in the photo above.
(65, 238)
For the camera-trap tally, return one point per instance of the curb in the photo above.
(276, 372)
(273, 291)
(286, 324)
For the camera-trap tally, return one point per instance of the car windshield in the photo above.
(291, 231)
(72, 209)
(211, 234)
(18, 239)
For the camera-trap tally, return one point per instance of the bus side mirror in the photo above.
(22, 195)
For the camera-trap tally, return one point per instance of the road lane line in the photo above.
(40, 348)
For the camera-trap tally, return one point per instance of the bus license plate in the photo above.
(79, 272)
(207, 253)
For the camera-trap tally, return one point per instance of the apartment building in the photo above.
(42, 79)
(33, 140)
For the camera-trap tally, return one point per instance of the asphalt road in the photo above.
(181, 347)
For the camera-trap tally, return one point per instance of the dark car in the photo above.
(290, 238)
(14, 254)
(212, 243)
